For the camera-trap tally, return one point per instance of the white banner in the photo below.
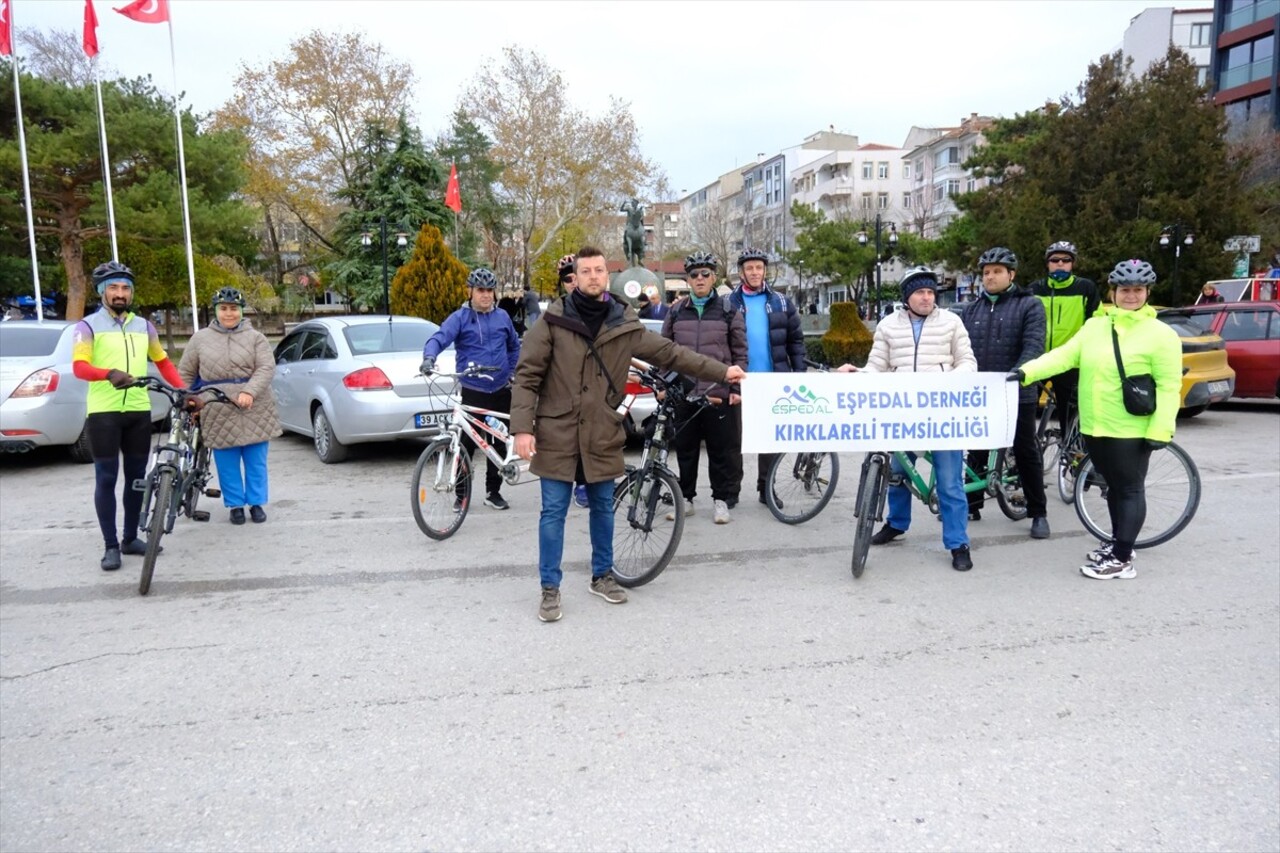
(783, 412)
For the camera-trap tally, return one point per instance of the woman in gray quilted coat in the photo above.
(235, 357)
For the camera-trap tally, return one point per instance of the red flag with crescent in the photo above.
(6, 42)
(147, 11)
(452, 194)
(90, 30)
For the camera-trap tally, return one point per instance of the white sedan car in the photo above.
(354, 378)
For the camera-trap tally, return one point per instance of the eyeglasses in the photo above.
(1062, 260)
(570, 278)
(702, 274)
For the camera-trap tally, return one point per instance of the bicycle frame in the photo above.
(469, 420)
(926, 490)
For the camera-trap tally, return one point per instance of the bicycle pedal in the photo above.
(212, 493)
(200, 515)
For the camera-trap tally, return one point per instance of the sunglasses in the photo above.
(1062, 260)
(702, 274)
(570, 277)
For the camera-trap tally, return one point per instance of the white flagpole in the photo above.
(26, 178)
(182, 177)
(106, 165)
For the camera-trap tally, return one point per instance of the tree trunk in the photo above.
(71, 251)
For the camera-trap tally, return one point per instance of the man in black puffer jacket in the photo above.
(775, 343)
(705, 323)
(1006, 329)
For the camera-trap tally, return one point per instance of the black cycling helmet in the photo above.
(482, 278)
(564, 267)
(1132, 272)
(111, 271)
(918, 278)
(227, 295)
(1065, 247)
(701, 260)
(998, 255)
(751, 253)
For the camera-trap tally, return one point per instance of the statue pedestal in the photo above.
(629, 285)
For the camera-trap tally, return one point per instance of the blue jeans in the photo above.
(249, 487)
(556, 495)
(953, 506)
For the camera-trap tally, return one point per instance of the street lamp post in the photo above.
(1177, 235)
(402, 240)
(893, 241)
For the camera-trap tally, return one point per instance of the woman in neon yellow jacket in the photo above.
(1120, 444)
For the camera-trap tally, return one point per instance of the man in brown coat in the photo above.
(568, 387)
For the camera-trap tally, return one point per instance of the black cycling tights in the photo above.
(112, 434)
(1123, 462)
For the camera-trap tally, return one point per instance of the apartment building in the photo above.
(1152, 31)
(938, 175)
(1244, 66)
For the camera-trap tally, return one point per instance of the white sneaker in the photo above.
(722, 513)
(1109, 569)
(688, 511)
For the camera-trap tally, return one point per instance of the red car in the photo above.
(1252, 334)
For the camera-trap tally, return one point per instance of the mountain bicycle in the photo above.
(440, 489)
(1172, 492)
(179, 472)
(1063, 454)
(1001, 481)
(648, 506)
(802, 482)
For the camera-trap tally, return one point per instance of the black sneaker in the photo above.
(886, 534)
(975, 514)
(1040, 528)
(496, 501)
(777, 501)
(237, 515)
(137, 547)
(960, 559)
(110, 559)
(258, 514)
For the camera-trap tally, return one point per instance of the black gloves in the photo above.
(428, 365)
(120, 379)
(1015, 375)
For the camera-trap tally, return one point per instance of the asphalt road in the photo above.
(335, 680)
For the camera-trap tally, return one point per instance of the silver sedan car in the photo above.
(354, 378)
(42, 403)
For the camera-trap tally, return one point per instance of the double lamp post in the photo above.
(893, 241)
(1176, 235)
(402, 240)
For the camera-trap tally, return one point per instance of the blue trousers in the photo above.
(556, 495)
(952, 504)
(247, 486)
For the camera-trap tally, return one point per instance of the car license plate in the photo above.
(1221, 386)
(422, 420)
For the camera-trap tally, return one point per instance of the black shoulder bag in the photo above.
(1139, 391)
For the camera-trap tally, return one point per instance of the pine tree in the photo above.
(433, 283)
(848, 339)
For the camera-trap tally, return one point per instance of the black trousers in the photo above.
(1065, 390)
(1123, 463)
(720, 427)
(111, 436)
(499, 401)
(1026, 453)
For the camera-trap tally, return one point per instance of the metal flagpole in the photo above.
(26, 181)
(106, 165)
(182, 177)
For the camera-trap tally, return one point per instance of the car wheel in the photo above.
(328, 448)
(80, 451)
(1191, 411)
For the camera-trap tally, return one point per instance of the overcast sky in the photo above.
(711, 84)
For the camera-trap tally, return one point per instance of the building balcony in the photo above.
(1250, 14)
(1242, 74)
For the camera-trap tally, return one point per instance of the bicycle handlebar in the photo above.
(473, 369)
(817, 365)
(177, 396)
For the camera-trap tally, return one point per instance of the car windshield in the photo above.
(1183, 326)
(26, 341)
(399, 336)
(1200, 321)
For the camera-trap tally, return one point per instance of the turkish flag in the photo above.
(453, 195)
(147, 11)
(90, 30)
(6, 44)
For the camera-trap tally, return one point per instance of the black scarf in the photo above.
(592, 311)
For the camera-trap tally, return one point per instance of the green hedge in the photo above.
(848, 339)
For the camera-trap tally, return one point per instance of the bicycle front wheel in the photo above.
(1172, 493)
(643, 540)
(1069, 464)
(199, 479)
(1008, 481)
(161, 497)
(802, 485)
(866, 509)
(439, 499)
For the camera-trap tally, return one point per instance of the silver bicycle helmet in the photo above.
(1132, 272)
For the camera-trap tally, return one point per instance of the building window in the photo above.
(970, 185)
(906, 200)
(882, 201)
(866, 170)
(1202, 74)
(939, 192)
(953, 188)
(866, 201)
(1200, 35)
(947, 157)
(882, 171)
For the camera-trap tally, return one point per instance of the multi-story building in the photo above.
(1244, 63)
(1152, 31)
(938, 174)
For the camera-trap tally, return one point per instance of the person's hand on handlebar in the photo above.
(120, 379)
(734, 399)
(525, 445)
(193, 404)
(734, 374)
(428, 365)
(1015, 375)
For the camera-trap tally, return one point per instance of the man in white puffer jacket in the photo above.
(921, 338)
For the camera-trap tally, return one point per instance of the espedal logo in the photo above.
(800, 401)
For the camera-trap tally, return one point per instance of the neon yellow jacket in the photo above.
(1146, 346)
